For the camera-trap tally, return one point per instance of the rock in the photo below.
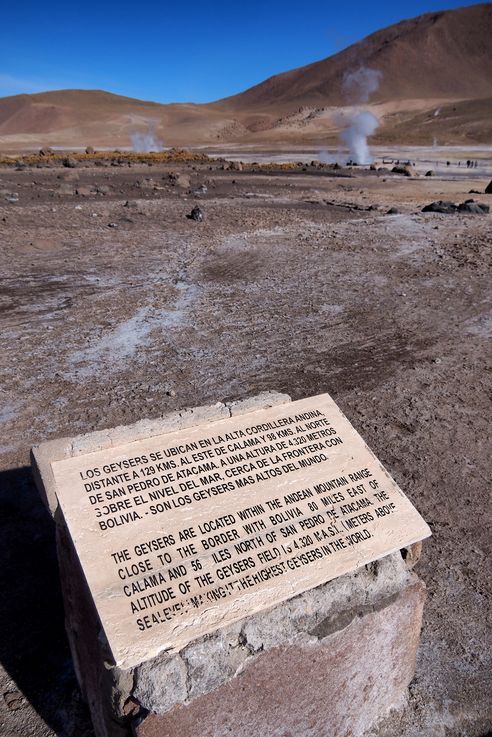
(9, 196)
(103, 189)
(443, 206)
(405, 169)
(373, 167)
(90, 150)
(346, 694)
(429, 173)
(473, 208)
(14, 700)
(147, 183)
(196, 214)
(178, 179)
(393, 211)
(469, 206)
(383, 170)
(84, 191)
(68, 176)
(66, 189)
(488, 188)
(232, 166)
(69, 162)
(45, 151)
(474, 191)
(202, 189)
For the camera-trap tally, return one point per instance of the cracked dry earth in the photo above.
(111, 312)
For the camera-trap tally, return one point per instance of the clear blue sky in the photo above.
(179, 51)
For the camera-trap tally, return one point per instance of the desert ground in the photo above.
(115, 306)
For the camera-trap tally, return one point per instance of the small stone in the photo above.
(90, 150)
(443, 206)
(202, 189)
(429, 173)
(84, 191)
(196, 214)
(14, 700)
(66, 189)
(69, 162)
(112, 225)
(178, 179)
(473, 208)
(103, 189)
(68, 176)
(393, 211)
(405, 169)
(488, 188)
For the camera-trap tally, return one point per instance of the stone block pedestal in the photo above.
(329, 662)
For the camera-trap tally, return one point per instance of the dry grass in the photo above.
(51, 158)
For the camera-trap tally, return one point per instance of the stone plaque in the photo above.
(185, 532)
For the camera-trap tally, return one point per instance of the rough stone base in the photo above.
(331, 661)
(339, 685)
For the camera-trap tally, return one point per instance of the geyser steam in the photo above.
(359, 124)
(148, 141)
(359, 85)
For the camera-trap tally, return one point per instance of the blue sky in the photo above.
(188, 51)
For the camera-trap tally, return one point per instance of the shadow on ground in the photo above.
(33, 646)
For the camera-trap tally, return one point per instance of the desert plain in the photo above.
(115, 306)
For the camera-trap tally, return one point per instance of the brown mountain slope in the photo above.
(430, 63)
(436, 55)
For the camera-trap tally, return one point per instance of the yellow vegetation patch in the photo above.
(172, 155)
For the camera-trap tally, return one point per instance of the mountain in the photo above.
(434, 74)
(446, 54)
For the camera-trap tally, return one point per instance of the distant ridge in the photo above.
(436, 83)
(447, 54)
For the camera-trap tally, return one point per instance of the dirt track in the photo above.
(112, 312)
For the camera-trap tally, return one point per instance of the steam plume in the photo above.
(358, 86)
(359, 126)
(148, 141)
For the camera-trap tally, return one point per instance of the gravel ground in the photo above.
(115, 306)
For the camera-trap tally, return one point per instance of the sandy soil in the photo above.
(299, 282)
